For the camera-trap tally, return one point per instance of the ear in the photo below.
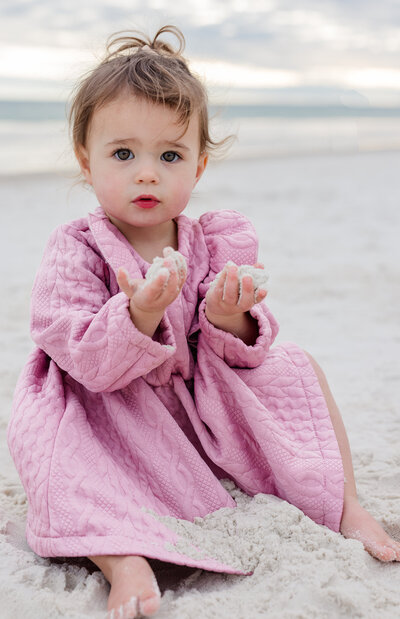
(201, 166)
(82, 156)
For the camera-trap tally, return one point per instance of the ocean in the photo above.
(34, 134)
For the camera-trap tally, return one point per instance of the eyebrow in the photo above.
(167, 143)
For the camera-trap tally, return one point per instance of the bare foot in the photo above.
(358, 524)
(134, 590)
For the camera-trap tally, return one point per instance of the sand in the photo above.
(329, 238)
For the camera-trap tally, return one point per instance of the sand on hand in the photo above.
(258, 275)
(158, 267)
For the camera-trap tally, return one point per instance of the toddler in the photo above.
(153, 375)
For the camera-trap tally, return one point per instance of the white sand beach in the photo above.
(329, 238)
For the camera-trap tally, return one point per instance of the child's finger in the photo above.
(182, 269)
(231, 287)
(218, 284)
(124, 282)
(179, 267)
(166, 282)
(155, 286)
(261, 294)
(249, 294)
(172, 282)
(178, 260)
(246, 296)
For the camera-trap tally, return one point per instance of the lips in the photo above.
(146, 201)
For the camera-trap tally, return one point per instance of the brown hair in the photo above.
(150, 69)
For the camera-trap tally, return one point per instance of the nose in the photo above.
(146, 172)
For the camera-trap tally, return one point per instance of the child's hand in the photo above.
(223, 297)
(153, 295)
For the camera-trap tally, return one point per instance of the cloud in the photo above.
(311, 42)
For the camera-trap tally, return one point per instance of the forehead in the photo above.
(128, 116)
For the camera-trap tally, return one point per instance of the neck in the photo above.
(150, 241)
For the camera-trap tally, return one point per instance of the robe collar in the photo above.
(118, 252)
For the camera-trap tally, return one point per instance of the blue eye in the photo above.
(170, 156)
(123, 154)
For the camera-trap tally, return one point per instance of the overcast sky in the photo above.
(255, 50)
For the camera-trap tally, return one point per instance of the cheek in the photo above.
(182, 188)
(105, 186)
(182, 193)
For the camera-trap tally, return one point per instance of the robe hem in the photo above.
(93, 545)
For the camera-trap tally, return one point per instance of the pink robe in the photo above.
(111, 427)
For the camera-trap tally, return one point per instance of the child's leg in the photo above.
(356, 522)
(134, 590)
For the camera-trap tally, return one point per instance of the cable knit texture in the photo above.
(111, 428)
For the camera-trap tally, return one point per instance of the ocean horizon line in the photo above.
(47, 110)
(40, 131)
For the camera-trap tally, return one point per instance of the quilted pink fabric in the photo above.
(110, 427)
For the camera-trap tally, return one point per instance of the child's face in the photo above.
(141, 167)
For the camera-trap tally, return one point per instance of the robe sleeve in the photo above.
(85, 330)
(229, 235)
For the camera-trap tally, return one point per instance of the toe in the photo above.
(396, 547)
(382, 552)
(131, 608)
(149, 606)
(150, 600)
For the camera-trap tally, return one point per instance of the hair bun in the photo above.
(126, 42)
(147, 48)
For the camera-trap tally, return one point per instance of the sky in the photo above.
(248, 51)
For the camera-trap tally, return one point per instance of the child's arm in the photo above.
(77, 322)
(226, 310)
(230, 236)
